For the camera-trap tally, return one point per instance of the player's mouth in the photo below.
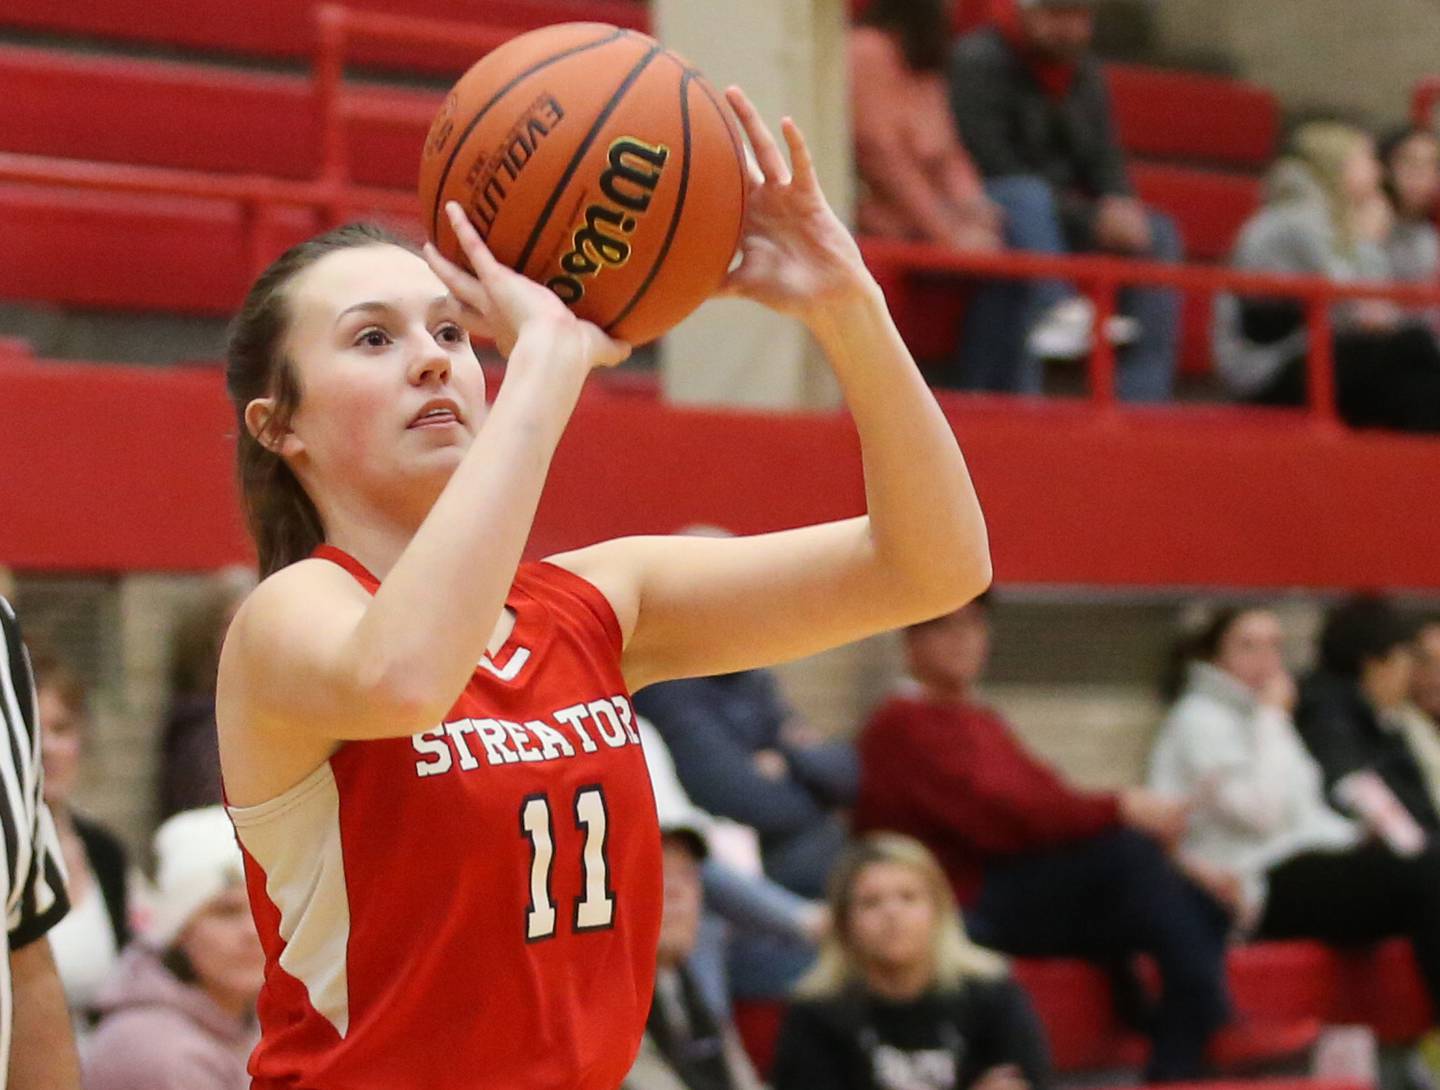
(437, 414)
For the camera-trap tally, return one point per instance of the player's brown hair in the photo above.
(283, 520)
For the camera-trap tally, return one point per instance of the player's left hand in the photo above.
(796, 256)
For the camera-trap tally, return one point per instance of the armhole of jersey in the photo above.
(594, 600)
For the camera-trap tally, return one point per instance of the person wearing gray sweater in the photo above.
(1325, 215)
(1296, 867)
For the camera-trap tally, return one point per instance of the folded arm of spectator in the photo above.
(758, 904)
(720, 774)
(1107, 173)
(831, 770)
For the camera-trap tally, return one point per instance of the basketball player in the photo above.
(455, 868)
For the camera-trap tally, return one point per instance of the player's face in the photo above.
(680, 917)
(892, 916)
(390, 389)
(1252, 649)
(62, 744)
(221, 944)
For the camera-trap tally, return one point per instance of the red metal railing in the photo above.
(334, 196)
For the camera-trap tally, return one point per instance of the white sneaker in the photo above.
(1066, 331)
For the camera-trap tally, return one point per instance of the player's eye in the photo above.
(450, 334)
(372, 337)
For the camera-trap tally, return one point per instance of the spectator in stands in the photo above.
(1034, 113)
(689, 1043)
(180, 1012)
(742, 754)
(190, 749)
(1303, 870)
(88, 941)
(1016, 841)
(1349, 716)
(1411, 161)
(741, 904)
(901, 999)
(1325, 215)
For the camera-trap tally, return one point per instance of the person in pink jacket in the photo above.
(179, 1013)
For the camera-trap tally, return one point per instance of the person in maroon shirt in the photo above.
(1040, 868)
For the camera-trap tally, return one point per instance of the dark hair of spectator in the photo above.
(52, 672)
(1389, 146)
(985, 600)
(1202, 645)
(922, 26)
(1358, 631)
(283, 520)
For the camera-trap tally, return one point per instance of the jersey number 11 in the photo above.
(595, 907)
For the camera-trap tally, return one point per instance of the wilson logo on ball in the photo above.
(629, 185)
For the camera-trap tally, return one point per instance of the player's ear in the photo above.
(260, 422)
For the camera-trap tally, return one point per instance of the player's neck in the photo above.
(374, 535)
(945, 691)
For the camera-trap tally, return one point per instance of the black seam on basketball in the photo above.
(740, 159)
(575, 159)
(501, 93)
(674, 216)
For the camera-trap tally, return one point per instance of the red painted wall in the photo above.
(114, 468)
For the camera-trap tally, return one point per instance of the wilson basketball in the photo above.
(598, 163)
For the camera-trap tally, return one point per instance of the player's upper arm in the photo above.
(294, 662)
(692, 606)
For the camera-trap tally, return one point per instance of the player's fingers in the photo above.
(801, 161)
(467, 289)
(481, 259)
(767, 152)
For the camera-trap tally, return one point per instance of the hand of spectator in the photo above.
(815, 922)
(798, 733)
(1279, 693)
(1223, 885)
(1155, 815)
(1121, 224)
(771, 765)
(1001, 1077)
(975, 238)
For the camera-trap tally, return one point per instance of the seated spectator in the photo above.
(1016, 841)
(1033, 111)
(1302, 870)
(741, 905)
(190, 747)
(917, 183)
(1325, 215)
(88, 941)
(901, 1000)
(1410, 158)
(1350, 718)
(180, 1012)
(689, 1043)
(741, 754)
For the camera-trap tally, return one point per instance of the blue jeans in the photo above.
(992, 354)
(1107, 898)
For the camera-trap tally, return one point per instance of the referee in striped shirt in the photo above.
(37, 1050)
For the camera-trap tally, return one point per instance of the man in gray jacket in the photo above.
(1033, 111)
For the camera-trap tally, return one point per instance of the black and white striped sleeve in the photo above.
(34, 877)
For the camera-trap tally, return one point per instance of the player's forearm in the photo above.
(42, 1054)
(434, 614)
(925, 520)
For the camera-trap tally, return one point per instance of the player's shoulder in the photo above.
(299, 595)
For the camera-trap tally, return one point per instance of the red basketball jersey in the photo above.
(478, 905)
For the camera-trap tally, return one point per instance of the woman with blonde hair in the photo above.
(1326, 215)
(900, 999)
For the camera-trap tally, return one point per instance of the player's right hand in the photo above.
(499, 303)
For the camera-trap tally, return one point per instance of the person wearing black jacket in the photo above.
(1034, 113)
(1349, 718)
(900, 999)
